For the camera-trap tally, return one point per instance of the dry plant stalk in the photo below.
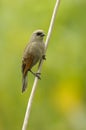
(26, 119)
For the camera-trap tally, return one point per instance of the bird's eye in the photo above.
(39, 33)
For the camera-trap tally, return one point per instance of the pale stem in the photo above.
(26, 119)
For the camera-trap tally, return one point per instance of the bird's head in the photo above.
(38, 35)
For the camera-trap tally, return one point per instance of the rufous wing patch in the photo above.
(27, 64)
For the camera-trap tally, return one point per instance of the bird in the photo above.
(34, 52)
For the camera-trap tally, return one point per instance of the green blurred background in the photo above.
(60, 98)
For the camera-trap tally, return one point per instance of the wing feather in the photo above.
(27, 64)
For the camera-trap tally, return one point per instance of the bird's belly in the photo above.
(37, 52)
(37, 57)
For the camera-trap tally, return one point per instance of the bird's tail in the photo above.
(24, 82)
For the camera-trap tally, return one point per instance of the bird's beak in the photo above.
(43, 34)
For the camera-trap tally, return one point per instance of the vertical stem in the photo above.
(26, 119)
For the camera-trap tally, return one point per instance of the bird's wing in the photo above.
(27, 64)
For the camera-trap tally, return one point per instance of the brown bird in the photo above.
(34, 52)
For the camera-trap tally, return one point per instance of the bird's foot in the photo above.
(44, 57)
(38, 75)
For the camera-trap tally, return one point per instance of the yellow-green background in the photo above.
(60, 98)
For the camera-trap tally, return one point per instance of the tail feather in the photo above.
(24, 83)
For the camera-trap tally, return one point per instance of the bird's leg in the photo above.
(36, 74)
